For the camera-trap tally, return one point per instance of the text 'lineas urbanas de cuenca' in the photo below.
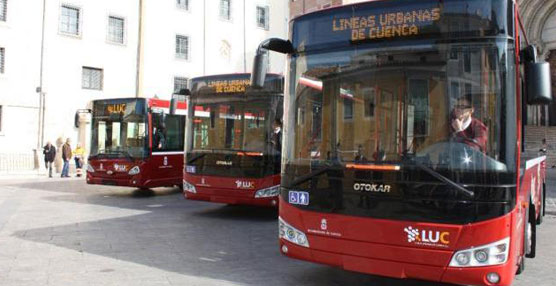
(386, 25)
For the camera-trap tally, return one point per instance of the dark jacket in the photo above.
(66, 152)
(49, 153)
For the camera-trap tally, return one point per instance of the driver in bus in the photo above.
(465, 128)
(160, 137)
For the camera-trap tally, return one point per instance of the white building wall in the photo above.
(20, 37)
(216, 45)
(230, 47)
(66, 55)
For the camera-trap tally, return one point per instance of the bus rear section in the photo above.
(402, 123)
(136, 143)
(233, 141)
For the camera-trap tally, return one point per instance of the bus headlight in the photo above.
(90, 168)
(486, 255)
(268, 192)
(187, 187)
(134, 171)
(291, 234)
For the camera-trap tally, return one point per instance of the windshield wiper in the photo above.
(199, 156)
(311, 175)
(443, 179)
(123, 152)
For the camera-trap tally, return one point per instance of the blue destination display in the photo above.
(379, 21)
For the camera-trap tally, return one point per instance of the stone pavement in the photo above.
(65, 232)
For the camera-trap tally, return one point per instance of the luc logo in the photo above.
(427, 237)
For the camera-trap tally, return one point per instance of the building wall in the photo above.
(20, 39)
(66, 55)
(228, 50)
(217, 45)
(299, 7)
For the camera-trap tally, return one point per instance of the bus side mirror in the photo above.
(537, 79)
(260, 64)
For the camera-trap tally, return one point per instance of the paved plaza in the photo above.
(65, 232)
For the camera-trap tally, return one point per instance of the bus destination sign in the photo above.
(115, 108)
(229, 86)
(387, 24)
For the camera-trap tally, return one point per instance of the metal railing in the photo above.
(16, 162)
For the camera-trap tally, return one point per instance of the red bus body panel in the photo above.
(154, 173)
(381, 247)
(225, 190)
(158, 169)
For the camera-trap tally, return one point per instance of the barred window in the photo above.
(3, 9)
(262, 17)
(2, 59)
(116, 28)
(183, 4)
(182, 47)
(92, 78)
(69, 20)
(225, 9)
(180, 83)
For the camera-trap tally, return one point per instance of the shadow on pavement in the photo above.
(232, 243)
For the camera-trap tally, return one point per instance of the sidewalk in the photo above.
(32, 174)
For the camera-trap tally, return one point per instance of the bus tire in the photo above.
(531, 237)
(543, 198)
(521, 266)
(541, 212)
(525, 243)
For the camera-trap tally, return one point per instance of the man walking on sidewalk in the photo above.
(49, 155)
(66, 156)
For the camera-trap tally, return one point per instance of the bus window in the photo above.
(168, 132)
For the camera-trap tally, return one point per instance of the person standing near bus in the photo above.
(79, 157)
(49, 152)
(66, 156)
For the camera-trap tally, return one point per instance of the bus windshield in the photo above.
(236, 124)
(377, 131)
(440, 106)
(119, 129)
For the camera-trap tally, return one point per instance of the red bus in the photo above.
(403, 123)
(233, 140)
(136, 142)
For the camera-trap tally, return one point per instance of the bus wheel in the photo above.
(531, 234)
(526, 245)
(541, 212)
(521, 266)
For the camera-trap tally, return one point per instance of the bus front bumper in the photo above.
(130, 181)
(400, 270)
(241, 197)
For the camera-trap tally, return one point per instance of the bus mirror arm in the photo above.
(260, 62)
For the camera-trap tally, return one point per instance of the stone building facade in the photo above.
(539, 20)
